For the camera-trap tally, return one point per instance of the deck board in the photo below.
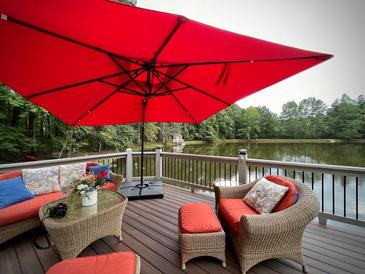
(150, 230)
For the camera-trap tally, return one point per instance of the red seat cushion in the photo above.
(198, 218)
(289, 197)
(10, 174)
(231, 210)
(114, 263)
(27, 209)
(110, 186)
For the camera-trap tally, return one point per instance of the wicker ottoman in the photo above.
(114, 263)
(200, 233)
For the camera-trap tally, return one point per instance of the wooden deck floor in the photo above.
(150, 229)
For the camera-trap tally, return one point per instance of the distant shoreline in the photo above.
(280, 141)
(152, 146)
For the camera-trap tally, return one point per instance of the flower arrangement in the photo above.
(89, 182)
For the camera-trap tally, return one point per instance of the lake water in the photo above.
(342, 189)
(328, 153)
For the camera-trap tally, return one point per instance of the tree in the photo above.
(290, 120)
(269, 123)
(251, 119)
(345, 119)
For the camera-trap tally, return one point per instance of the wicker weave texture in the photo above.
(10, 231)
(194, 245)
(275, 235)
(71, 236)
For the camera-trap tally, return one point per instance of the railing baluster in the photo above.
(225, 174)
(210, 174)
(270, 170)
(303, 177)
(357, 198)
(322, 194)
(236, 173)
(215, 171)
(230, 174)
(255, 172)
(201, 173)
(249, 173)
(333, 194)
(344, 196)
(263, 172)
(277, 171)
(294, 174)
(189, 171)
(286, 172)
(205, 173)
(312, 180)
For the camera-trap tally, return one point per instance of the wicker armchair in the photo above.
(275, 235)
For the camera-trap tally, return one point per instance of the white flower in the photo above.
(81, 186)
(82, 192)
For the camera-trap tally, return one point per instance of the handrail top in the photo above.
(53, 162)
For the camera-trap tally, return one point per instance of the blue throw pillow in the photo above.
(97, 169)
(13, 191)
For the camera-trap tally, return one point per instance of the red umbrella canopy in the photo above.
(94, 62)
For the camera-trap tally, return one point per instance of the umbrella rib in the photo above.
(318, 57)
(19, 22)
(183, 107)
(178, 101)
(130, 91)
(198, 90)
(171, 90)
(103, 100)
(180, 20)
(124, 70)
(72, 85)
(163, 84)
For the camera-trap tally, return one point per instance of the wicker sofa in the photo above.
(27, 211)
(275, 235)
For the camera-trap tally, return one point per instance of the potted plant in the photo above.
(87, 187)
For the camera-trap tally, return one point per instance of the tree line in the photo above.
(28, 130)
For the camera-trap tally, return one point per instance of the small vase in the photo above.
(89, 198)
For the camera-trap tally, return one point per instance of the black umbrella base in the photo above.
(149, 190)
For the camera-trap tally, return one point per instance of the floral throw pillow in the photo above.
(70, 173)
(41, 180)
(264, 196)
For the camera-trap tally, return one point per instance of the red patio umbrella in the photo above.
(98, 62)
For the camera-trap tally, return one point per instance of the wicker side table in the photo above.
(83, 225)
(198, 244)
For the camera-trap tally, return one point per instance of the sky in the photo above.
(329, 26)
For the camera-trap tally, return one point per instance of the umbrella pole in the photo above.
(142, 139)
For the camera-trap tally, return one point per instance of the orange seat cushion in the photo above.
(231, 210)
(27, 209)
(114, 263)
(109, 186)
(289, 197)
(10, 175)
(198, 218)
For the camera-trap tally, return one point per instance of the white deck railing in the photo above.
(340, 189)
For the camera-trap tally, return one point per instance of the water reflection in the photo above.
(328, 153)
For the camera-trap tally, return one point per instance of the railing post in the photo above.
(129, 165)
(242, 167)
(158, 165)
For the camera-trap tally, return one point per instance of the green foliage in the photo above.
(26, 129)
(346, 119)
